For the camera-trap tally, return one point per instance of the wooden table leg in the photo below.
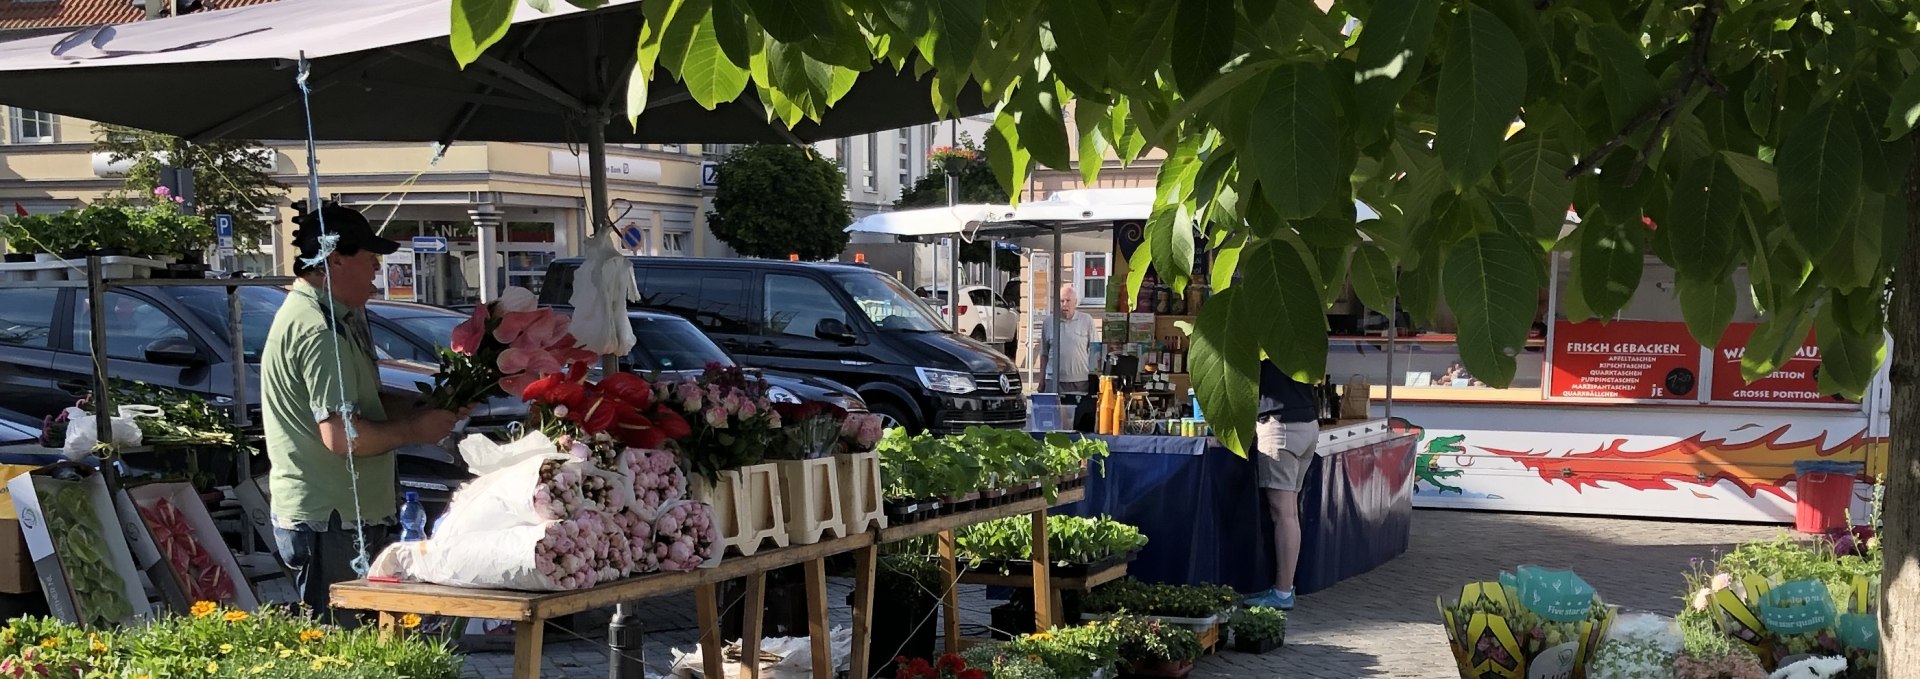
(528, 638)
(950, 583)
(1043, 594)
(751, 617)
(865, 562)
(817, 629)
(706, 608)
(389, 626)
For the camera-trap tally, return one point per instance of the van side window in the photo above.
(796, 305)
(714, 300)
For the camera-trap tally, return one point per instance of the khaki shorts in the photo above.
(1285, 449)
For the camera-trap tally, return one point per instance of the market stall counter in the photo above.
(1207, 522)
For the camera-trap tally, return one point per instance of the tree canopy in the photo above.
(1763, 134)
(230, 176)
(775, 200)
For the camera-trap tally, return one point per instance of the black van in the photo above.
(849, 324)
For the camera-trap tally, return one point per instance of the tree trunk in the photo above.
(1900, 536)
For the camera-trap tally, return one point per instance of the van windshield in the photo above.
(890, 305)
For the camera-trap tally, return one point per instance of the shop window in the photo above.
(872, 175)
(32, 127)
(673, 244)
(1093, 277)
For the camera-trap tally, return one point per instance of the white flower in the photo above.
(516, 298)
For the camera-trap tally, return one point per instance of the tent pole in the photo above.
(1053, 351)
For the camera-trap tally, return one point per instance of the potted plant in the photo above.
(905, 597)
(949, 666)
(1079, 652)
(1196, 607)
(1259, 629)
(1152, 648)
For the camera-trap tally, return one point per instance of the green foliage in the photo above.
(1128, 595)
(234, 176)
(775, 200)
(1259, 623)
(979, 458)
(1071, 652)
(156, 228)
(1148, 640)
(1070, 539)
(225, 644)
(1273, 120)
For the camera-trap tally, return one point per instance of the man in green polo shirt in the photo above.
(321, 402)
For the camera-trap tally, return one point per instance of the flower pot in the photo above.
(1158, 668)
(1258, 646)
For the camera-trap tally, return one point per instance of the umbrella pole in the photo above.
(626, 646)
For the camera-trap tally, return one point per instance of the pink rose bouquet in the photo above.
(861, 432)
(685, 536)
(731, 421)
(500, 349)
(656, 477)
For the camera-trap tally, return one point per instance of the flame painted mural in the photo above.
(1700, 464)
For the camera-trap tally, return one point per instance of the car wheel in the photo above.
(892, 415)
(979, 334)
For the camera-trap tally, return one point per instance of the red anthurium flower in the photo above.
(554, 391)
(469, 333)
(599, 415)
(629, 389)
(671, 424)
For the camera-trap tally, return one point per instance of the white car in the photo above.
(984, 315)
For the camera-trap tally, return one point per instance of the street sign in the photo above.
(429, 245)
(633, 237)
(223, 227)
(709, 173)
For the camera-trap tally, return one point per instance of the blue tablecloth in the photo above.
(1206, 520)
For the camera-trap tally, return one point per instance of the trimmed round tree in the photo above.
(776, 200)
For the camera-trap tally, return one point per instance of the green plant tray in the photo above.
(1072, 570)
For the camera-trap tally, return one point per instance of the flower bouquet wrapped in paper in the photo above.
(1532, 622)
(657, 478)
(685, 536)
(731, 422)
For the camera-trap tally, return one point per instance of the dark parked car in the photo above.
(664, 344)
(848, 324)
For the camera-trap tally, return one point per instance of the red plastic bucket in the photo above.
(1822, 501)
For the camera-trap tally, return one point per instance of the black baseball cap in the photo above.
(355, 232)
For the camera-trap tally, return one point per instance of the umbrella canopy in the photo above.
(1066, 211)
(381, 70)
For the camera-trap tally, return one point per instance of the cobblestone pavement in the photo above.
(1381, 624)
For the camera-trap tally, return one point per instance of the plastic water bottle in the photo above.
(413, 519)
(1196, 405)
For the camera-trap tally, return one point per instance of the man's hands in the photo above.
(432, 425)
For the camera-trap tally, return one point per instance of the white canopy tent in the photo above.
(1062, 212)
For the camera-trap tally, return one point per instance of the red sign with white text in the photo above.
(1640, 360)
(1798, 381)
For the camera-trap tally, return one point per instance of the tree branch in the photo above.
(1694, 74)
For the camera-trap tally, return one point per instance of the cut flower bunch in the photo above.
(217, 642)
(501, 348)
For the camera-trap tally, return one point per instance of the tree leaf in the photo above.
(1860, 310)
(1009, 158)
(1226, 261)
(1493, 289)
(953, 40)
(685, 22)
(1393, 50)
(1292, 152)
(1623, 73)
(1904, 114)
(1819, 166)
(711, 78)
(1757, 174)
(1572, 300)
(477, 25)
(785, 20)
(1854, 260)
(1043, 126)
(1774, 341)
(1420, 289)
(730, 30)
(1707, 306)
(659, 16)
(1137, 267)
(1170, 229)
(1204, 42)
(1225, 363)
(1482, 84)
(1081, 40)
(1537, 173)
(1702, 225)
(1282, 306)
(1372, 275)
(1332, 274)
(1610, 262)
(1091, 120)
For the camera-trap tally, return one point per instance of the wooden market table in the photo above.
(530, 611)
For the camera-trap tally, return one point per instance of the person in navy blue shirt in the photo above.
(1285, 434)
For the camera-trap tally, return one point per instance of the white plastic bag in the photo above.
(484, 457)
(83, 434)
(795, 653)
